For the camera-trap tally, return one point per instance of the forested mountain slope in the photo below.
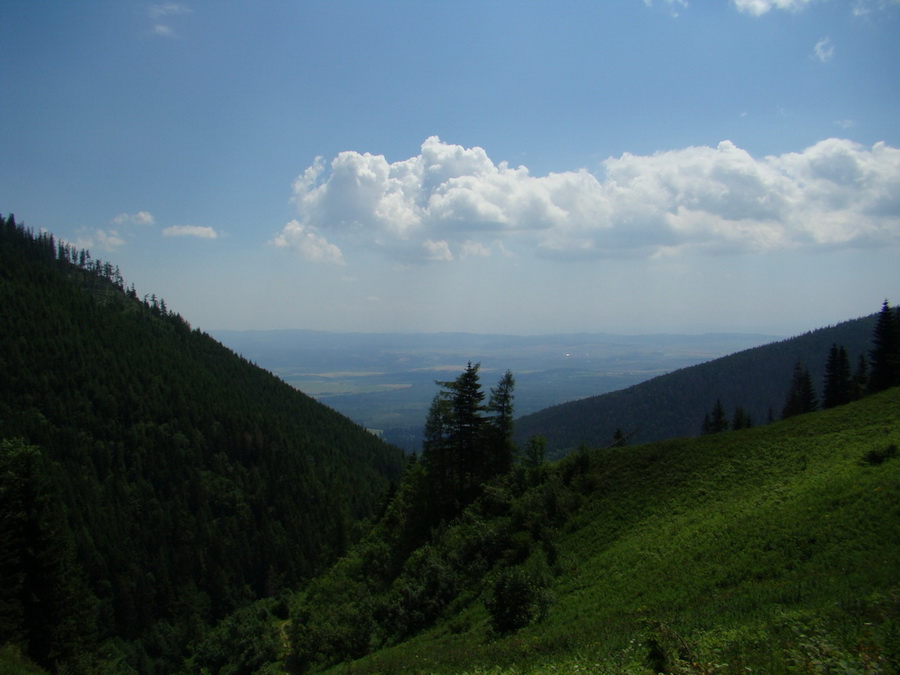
(151, 481)
(674, 405)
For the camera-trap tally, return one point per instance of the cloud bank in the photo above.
(450, 203)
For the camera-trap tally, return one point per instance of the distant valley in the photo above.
(386, 381)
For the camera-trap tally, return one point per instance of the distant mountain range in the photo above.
(674, 404)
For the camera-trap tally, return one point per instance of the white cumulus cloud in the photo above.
(760, 7)
(451, 203)
(198, 231)
(308, 243)
(672, 5)
(139, 218)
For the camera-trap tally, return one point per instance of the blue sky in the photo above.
(524, 167)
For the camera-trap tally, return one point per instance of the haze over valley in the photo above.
(386, 381)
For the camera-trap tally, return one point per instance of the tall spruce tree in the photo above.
(860, 383)
(466, 442)
(500, 428)
(468, 420)
(838, 386)
(801, 397)
(716, 421)
(885, 353)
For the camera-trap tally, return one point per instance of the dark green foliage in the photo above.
(740, 419)
(186, 482)
(715, 422)
(500, 426)
(885, 352)
(427, 546)
(838, 388)
(801, 397)
(518, 597)
(403, 578)
(464, 446)
(667, 651)
(535, 452)
(241, 644)
(44, 604)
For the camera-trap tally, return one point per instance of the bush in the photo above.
(518, 597)
(244, 642)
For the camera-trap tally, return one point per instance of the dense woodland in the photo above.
(152, 481)
(169, 507)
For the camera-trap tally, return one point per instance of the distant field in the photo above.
(387, 381)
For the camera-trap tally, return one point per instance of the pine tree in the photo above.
(500, 430)
(535, 453)
(741, 419)
(468, 417)
(801, 397)
(464, 446)
(715, 422)
(838, 387)
(885, 353)
(438, 457)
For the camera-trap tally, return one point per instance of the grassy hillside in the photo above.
(774, 549)
(673, 405)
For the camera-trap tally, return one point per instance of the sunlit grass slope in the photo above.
(775, 549)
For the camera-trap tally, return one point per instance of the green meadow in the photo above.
(775, 549)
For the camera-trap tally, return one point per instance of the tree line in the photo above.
(473, 512)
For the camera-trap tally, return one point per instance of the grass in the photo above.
(13, 662)
(775, 549)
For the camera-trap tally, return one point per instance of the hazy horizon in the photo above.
(632, 167)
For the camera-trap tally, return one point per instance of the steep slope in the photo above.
(160, 481)
(773, 549)
(673, 405)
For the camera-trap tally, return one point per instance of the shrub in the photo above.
(518, 597)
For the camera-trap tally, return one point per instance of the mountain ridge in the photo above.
(673, 405)
(164, 480)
